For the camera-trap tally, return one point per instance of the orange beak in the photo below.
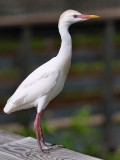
(87, 16)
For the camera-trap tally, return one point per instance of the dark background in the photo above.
(29, 37)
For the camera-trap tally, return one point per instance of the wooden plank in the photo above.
(27, 149)
(52, 17)
(6, 137)
(28, 19)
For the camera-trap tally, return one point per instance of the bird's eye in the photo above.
(75, 16)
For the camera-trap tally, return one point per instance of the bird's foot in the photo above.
(46, 148)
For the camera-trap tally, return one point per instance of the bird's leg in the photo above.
(38, 130)
(44, 147)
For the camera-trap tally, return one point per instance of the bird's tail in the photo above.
(9, 107)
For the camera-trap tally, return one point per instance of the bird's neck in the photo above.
(65, 52)
(65, 36)
(66, 42)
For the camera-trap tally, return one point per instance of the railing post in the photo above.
(24, 56)
(24, 62)
(109, 51)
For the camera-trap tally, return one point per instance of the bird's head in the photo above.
(71, 16)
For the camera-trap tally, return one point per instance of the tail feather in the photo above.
(9, 107)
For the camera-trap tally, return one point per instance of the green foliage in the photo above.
(8, 45)
(80, 119)
(66, 139)
(117, 38)
(26, 131)
(9, 72)
(112, 156)
(86, 67)
(38, 43)
(46, 128)
(86, 40)
(81, 136)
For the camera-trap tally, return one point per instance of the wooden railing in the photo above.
(14, 147)
(15, 7)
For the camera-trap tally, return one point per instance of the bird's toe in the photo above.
(53, 147)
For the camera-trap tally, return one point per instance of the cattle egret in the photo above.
(47, 81)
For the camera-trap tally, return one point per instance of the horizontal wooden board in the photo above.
(27, 149)
(6, 137)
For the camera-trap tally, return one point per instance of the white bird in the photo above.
(47, 81)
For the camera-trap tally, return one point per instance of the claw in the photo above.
(48, 148)
(46, 151)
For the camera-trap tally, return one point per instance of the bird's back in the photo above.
(20, 96)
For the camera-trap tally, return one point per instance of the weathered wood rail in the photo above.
(15, 147)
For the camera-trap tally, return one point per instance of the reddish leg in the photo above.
(38, 129)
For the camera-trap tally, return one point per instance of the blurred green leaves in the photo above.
(8, 45)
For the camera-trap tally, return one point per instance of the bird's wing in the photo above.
(28, 92)
(38, 73)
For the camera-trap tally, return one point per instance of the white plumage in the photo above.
(46, 82)
(39, 87)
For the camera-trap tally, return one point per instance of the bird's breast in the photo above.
(58, 87)
(63, 69)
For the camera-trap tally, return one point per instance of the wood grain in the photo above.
(26, 149)
(6, 137)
